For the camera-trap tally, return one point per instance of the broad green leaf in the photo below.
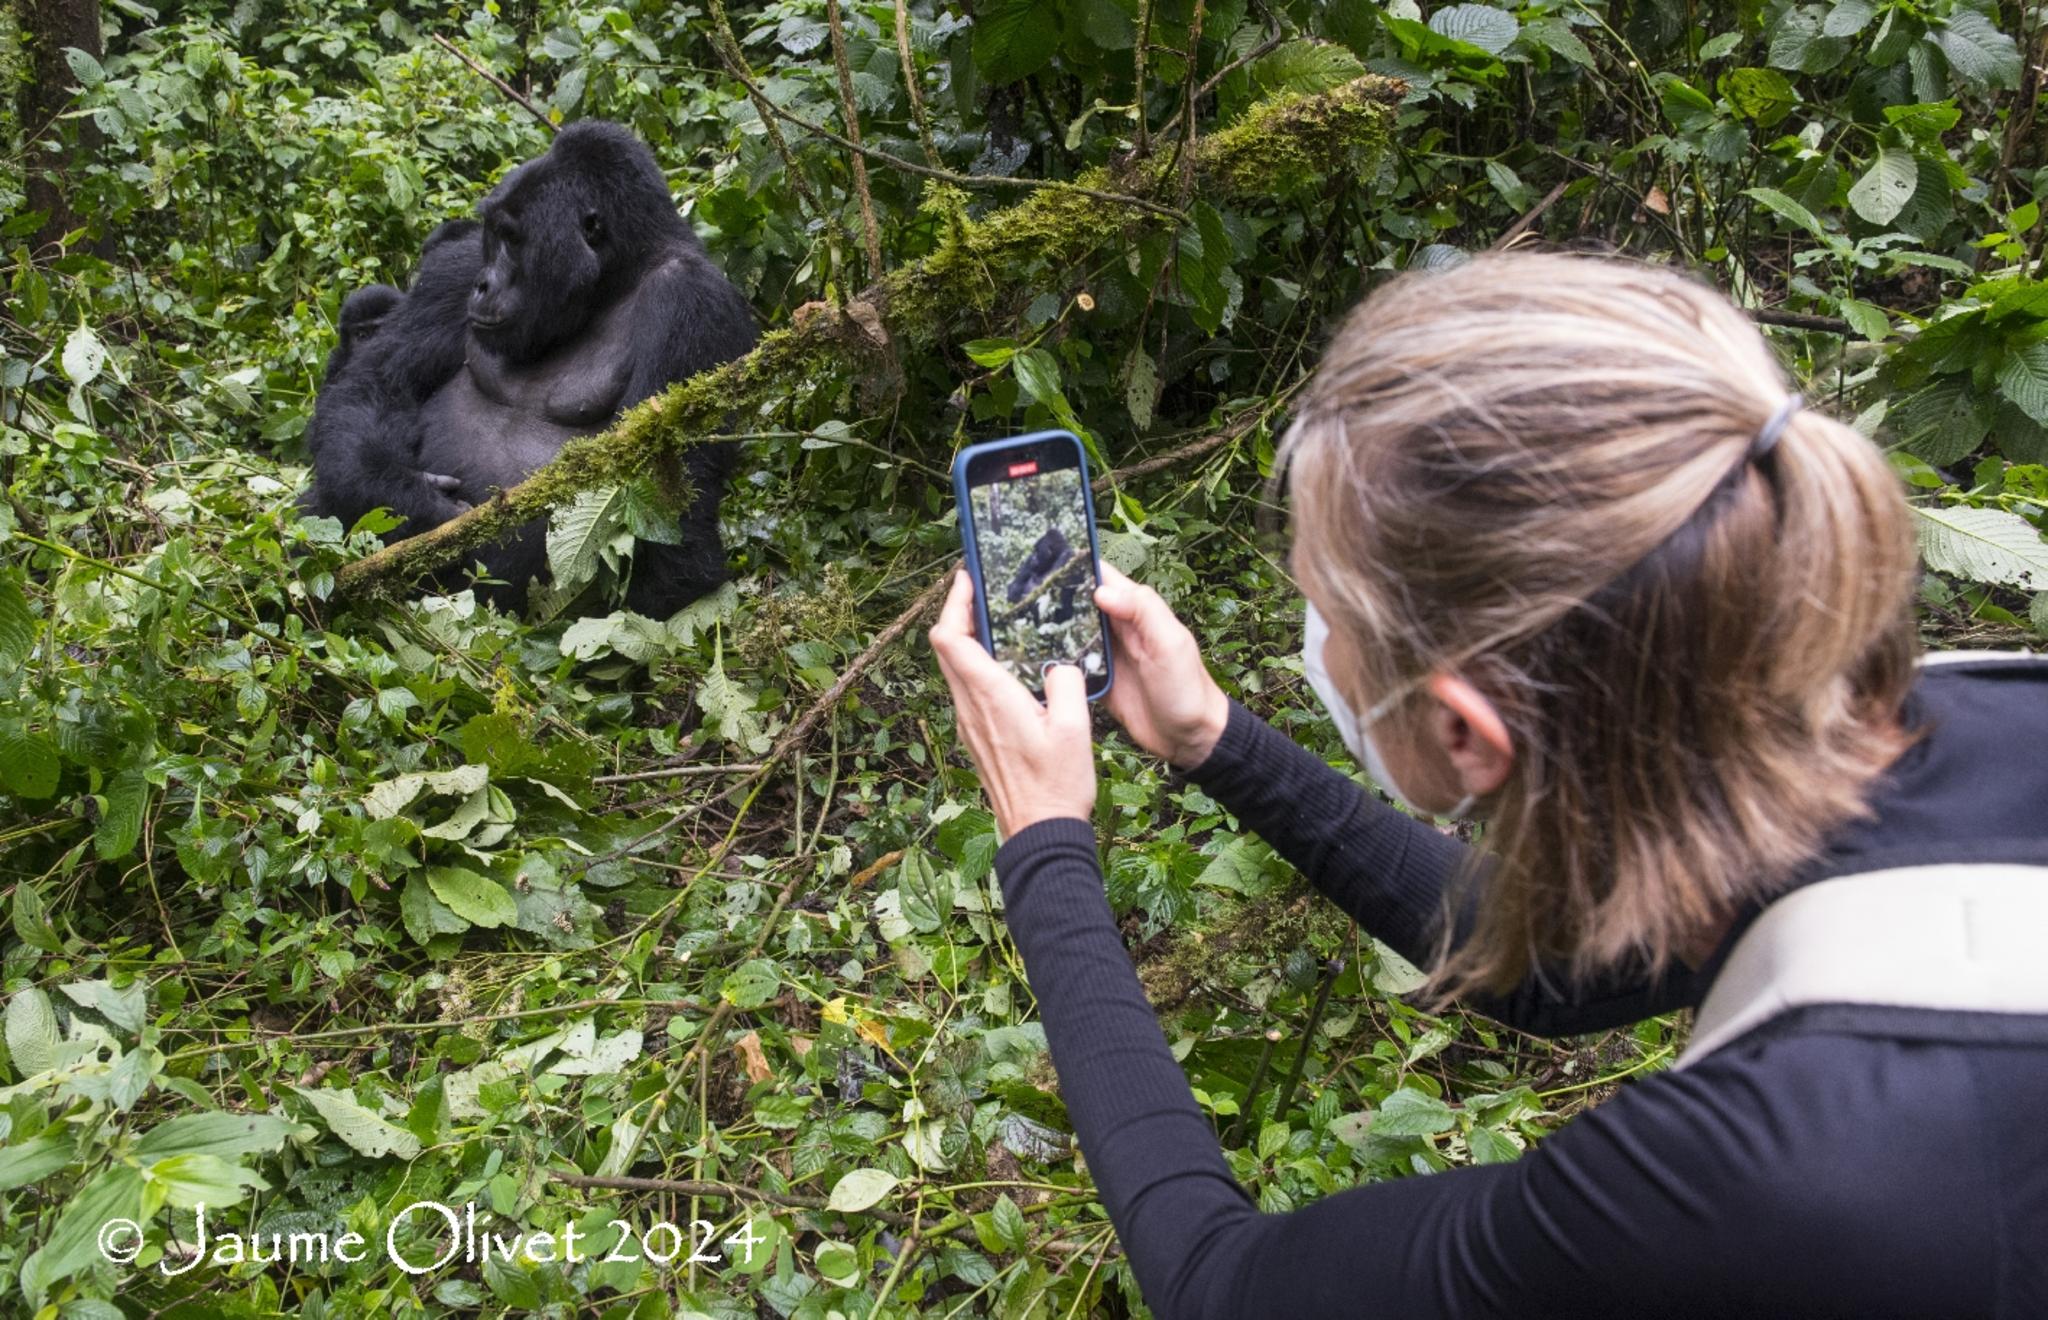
(388, 798)
(1978, 53)
(1764, 95)
(1141, 388)
(33, 1161)
(116, 1193)
(17, 623)
(124, 1008)
(859, 1189)
(1779, 204)
(426, 916)
(751, 984)
(84, 356)
(196, 1179)
(1490, 1147)
(1798, 42)
(2023, 378)
(1013, 39)
(31, 921)
(1687, 107)
(475, 898)
(609, 1054)
(120, 825)
(1984, 545)
(1492, 30)
(1038, 374)
(217, 1134)
(838, 1262)
(1886, 186)
(1848, 17)
(990, 352)
(578, 533)
(31, 1031)
(1865, 319)
(367, 1133)
(29, 762)
(1307, 66)
(1410, 1113)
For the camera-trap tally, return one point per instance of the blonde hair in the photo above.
(1530, 471)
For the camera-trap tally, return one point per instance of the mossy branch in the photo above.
(1277, 148)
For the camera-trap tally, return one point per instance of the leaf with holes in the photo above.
(1886, 186)
(1984, 545)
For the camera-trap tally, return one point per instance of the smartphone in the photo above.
(1027, 523)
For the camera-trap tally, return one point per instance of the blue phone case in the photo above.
(968, 538)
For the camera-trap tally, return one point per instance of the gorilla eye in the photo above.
(593, 226)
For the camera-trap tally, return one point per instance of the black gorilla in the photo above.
(1047, 556)
(585, 293)
(394, 351)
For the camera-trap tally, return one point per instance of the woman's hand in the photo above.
(1037, 762)
(1163, 695)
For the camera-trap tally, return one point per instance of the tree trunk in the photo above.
(57, 147)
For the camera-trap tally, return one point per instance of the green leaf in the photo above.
(29, 762)
(84, 356)
(1779, 204)
(31, 921)
(1984, 545)
(217, 1134)
(1865, 319)
(1924, 120)
(475, 898)
(74, 1243)
(1886, 187)
(31, 1032)
(990, 352)
(124, 1008)
(1410, 1113)
(1848, 17)
(424, 915)
(838, 1262)
(1141, 388)
(1490, 1147)
(1008, 1222)
(859, 1189)
(17, 623)
(1038, 374)
(120, 824)
(33, 1161)
(1014, 39)
(578, 533)
(726, 708)
(1764, 95)
(2023, 378)
(1306, 66)
(1798, 42)
(195, 1180)
(1492, 30)
(751, 984)
(365, 1132)
(1978, 53)
(1687, 107)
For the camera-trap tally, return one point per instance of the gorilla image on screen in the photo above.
(1049, 553)
(1031, 536)
(582, 292)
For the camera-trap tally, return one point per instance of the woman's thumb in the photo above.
(1066, 694)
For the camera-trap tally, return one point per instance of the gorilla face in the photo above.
(561, 234)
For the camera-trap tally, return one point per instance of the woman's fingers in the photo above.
(1066, 697)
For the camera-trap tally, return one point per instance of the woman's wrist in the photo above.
(1199, 741)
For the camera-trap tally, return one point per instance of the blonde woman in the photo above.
(1577, 560)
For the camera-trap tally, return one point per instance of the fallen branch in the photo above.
(1278, 146)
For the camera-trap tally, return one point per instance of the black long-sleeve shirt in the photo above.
(1838, 1161)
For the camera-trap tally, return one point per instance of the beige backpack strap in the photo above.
(1964, 937)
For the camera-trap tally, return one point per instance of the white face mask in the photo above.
(1351, 727)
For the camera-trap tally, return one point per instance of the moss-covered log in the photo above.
(1279, 146)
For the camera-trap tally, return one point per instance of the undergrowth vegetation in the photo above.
(323, 904)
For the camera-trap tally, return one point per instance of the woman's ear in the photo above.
(1472, 734)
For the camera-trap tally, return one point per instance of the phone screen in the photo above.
(1028, 515)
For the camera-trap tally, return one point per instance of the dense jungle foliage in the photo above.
(322, 903)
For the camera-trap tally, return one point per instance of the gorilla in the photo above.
(582, 292)
(394, 351)
(1045, 558)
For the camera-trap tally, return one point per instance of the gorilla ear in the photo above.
(593, 227)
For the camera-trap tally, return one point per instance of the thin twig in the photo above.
(1530, 217)
(1138, 50)
(511, 93)
(1830, 325)
(679, 771)
(910, 84)
(728, 47)
(849, 110)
